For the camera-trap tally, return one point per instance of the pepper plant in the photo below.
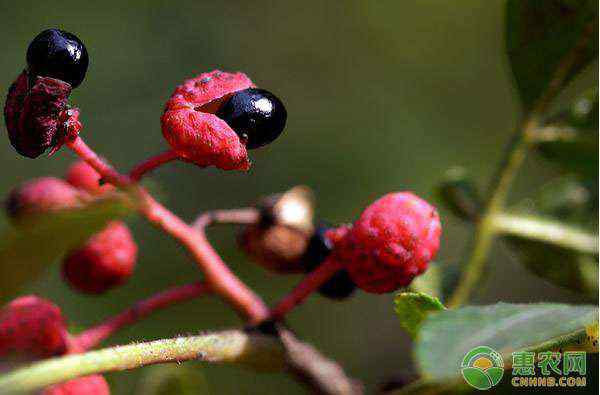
(214, 119)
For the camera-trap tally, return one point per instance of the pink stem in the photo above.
(218, 276)
(91, 337)
(238, 216)
(152, 163)
(309, 284)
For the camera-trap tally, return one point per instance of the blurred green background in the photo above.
(381, 96)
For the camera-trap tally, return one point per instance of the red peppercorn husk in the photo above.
(83, 176)
(41, 195)
(38, 117)
(392, 242)
(32, 327)
(194, 132)
(88, 385)
(106, 260)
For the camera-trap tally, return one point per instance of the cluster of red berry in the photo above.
(105, 260)
(392, 242)
(210, 120)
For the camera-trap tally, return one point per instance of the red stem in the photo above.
(152, 163)
(309, 284)
(91, 337)
(218, 276)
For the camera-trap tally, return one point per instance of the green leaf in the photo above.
(575, 205)
(172, 380)
(561, 266)
(540, 33)
(446, 337)
(578, 150)
(459, 194)
(27, 249)
(413, 307)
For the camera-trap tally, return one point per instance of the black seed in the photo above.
(339, 286)
(256, 115)
(57, 54)
(319, 247)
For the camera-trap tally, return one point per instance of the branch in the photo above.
(307, 285)
(152, 163)
(218, 276)
(91, 337)
(552, 133)
(548, 231)
(233, 346)
(240, 216)
(507, 171)
(324, 376)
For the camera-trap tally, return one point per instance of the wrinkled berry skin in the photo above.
(106, 260)
(89, 385)
(41, 195)
(212, 120)
(57, 54)
(256, 115)
(192, 129)
(37, 117)
(392, 242)
(32, 327)
(340, 286)
(83, 176)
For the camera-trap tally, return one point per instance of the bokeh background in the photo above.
(381, 96)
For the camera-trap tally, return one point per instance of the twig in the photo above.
(323, 375)
(500, 186)
(218, 276)
(310, 283)
(233, 346)
(152, 163)
(93, 336)
(547, 230)
(552, 133)
(241, 216)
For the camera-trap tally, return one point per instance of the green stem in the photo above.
(548, 231)
(515, 156)
(485, 231)
(233, 346)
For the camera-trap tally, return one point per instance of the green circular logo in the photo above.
(482, 367)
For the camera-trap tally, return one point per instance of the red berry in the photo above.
(39, 196)
(32, 327)
(392, 242)
(37, 115)
(192, 129)
(106, 260)
(83, 176)
(89, 385)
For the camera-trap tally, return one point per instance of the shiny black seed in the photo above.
(57, 54)
(340, 285)
(319, 247)
(256, 115)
